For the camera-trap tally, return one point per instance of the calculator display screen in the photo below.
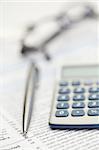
(83, 71)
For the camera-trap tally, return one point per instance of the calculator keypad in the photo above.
(72, 99)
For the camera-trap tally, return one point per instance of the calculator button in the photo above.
(94, 97)
(64, 91)
(78, 113)
(79, 90)
(62, 105)
(63, 83)
(63, 98)
(93, 112)
(78, 97)
(97, 82)
(93, 89)
(61, 113)
(94, 104)
(88, 82)
(76, 83)
(78, 105)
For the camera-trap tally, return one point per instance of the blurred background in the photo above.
(16, 16)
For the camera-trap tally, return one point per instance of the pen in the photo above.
(31, 85)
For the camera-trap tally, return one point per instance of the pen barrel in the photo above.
(30, 90)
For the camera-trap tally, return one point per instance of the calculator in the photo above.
(75, 103)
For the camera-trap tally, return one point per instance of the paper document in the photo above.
(11, 137)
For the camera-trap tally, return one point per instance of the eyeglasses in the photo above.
(64, 21)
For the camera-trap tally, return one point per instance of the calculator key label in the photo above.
(78, 113)
(93, 112)
(78, 105)
(61, 113)
(94, 97)
(94, 104)
(62, 105)
(88, 82)
(97, 83)
(63, 98)
(63, 83)
(64, 91)
(93, 90)
(78, 97)
(76, 83)
(79, 90)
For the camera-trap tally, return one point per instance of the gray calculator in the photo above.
(76, 98)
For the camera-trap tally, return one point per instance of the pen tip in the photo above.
(24, 133)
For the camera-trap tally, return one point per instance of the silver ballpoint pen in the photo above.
(31, 85)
